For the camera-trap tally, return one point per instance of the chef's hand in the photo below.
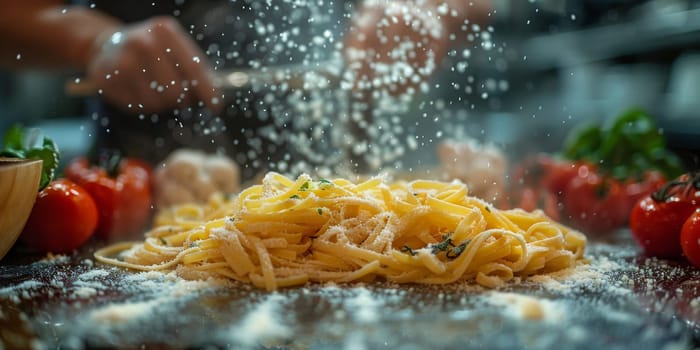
(152, 66)
(394, 45)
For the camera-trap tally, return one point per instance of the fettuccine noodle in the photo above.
(286, 232)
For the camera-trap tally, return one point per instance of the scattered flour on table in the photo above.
(93, 274)
(168, 287)
(595, 274)
(24, 286)
(123, 312)
(270, 320)
(262, 323)
(55, 258)
(525, 307)
(89, 284)
(367, 307)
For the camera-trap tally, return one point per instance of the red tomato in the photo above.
(528, 199)
(551, 206)
(123, 194)
(63, 218)
(636, 190)
(531, 199)
(559, 174)
(656, 225)
(539, 183)
(690, 238)
(594, 203)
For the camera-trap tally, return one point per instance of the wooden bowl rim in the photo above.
(7, 163)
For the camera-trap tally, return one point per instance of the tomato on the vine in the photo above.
(595, 203)
(121, 188)
(690, 238)
(559, 174)
(652, 181)
(539, 183)
(64, 217)
(656, 224)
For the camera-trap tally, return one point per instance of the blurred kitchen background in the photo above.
(553, 65)
(567, 62)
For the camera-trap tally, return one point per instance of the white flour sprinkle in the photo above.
(84, 292)
(262, 324)
(124, 312)
(93, 274)
(528, 308)
(24, 286)
(56, 258)
(341, 314)
(366, 306)
(594, 274)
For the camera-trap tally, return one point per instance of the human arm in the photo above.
(47, 34)
(153, 66)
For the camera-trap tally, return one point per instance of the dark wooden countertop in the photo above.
(73, 302)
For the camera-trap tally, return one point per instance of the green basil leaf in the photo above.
(583, 143)
(32, 144)
(49, 166)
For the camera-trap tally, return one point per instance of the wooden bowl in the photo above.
(19, 183)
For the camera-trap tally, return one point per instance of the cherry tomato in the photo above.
(539, 182)
(636, 190)
(121, 188)
(64, 217)
(595, 203)
(656, 224)
(559, 174)
(690, 238)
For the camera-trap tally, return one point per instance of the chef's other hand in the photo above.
(152, 66)
(394, 45)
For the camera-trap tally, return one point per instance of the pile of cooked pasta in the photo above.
(287, 232)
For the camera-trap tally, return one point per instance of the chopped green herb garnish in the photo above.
(451, 250)
(163, 241)
(320, 211)
(488, 209)
(324, 184)
(294, 196)
(304, 186)
(407, 249)
(455, 252)
(442, 246)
